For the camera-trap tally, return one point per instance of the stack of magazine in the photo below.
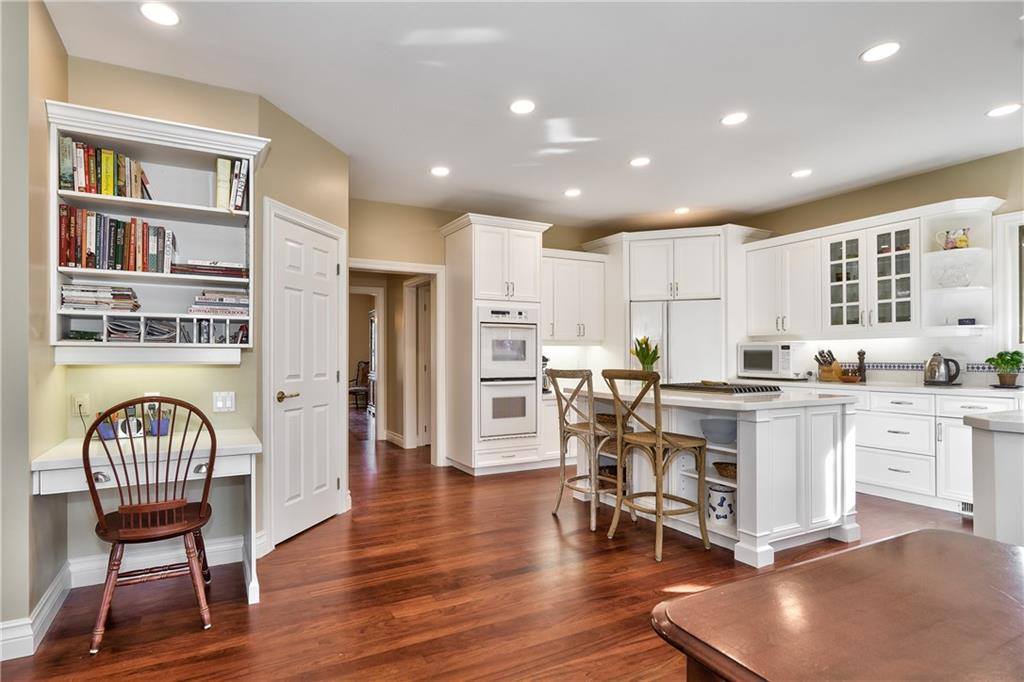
(122, 330)
(98, 297)
(161, 331)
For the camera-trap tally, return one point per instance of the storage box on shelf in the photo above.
(175, 170)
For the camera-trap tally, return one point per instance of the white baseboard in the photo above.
(21, 637)
(509, 468)
(262, 544)
(395, 438)
(92, 570)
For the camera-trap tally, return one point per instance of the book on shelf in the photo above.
(84, 168)
(209, 270)
(237, 194)
(92, 240)
(224, 183)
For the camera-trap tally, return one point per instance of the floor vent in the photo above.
(967, 509)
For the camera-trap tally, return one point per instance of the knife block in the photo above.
(830, 372)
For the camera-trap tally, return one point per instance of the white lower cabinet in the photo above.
(912, 473)
(549, 445)
(953, 462)
(901, 432)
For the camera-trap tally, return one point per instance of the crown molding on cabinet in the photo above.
(91, 121)
(567, 254)
(468, 219)
(751, 233)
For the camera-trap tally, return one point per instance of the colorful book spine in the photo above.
(223, 183)
(62, 252)
(90, 154)
(108, 177)
(67, 163)
(81, 181)
(121, 169)
(243, 176)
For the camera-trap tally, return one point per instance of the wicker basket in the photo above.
(725, 469)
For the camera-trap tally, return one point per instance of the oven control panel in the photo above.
(489, 313)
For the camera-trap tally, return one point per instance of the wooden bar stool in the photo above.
(149, 459)
(661, 448)
(594, 436)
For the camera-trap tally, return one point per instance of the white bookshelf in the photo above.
(180, 161)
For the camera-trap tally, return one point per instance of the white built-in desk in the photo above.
(60, 470)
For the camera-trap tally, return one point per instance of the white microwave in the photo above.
(766, 361)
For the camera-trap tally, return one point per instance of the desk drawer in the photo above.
(52, 481)
(913, 473)
(899, 432)
(501, 457)
(907, 403)
(952, 406)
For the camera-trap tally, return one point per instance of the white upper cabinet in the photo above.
(490, 258)
(524, 253)
(764, 316)
(573, 305)
(696, 267)
(894, 283)
(783, 291)
(800, 291)
(675, 269)
(506, 264)
(846, 292)
(650, 270)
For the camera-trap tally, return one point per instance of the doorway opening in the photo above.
(367, 386)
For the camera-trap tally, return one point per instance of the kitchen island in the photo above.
(795, 461)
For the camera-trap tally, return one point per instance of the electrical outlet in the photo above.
(80, 400)
(223, 401)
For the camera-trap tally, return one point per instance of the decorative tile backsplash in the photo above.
(915, 366)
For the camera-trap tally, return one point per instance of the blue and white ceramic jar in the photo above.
(721, 505)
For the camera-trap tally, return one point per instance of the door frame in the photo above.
(410, 389)
(380, 302)
(273, 208)
(439, 446)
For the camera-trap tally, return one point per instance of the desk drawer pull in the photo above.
(200, 468)
(899, 471)
(900, 402)
(974, 407)
(508, 456)
(898, 433)
(100, 477)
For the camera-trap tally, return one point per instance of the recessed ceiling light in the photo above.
(879, 52)
(1004, 110)
(522, 106)
(573, 192)
(734, 118)
(440, 171)
(159, 13)
(640, 162)
(802, 173)
(682, 210)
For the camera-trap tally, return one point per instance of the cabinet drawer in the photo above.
(952, 406)
(912, 473)
(900, 432)
(908, 403)
(52, 481)
(863, 397)
(499, 457)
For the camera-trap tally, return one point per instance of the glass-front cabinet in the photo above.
(894, 254)
(845, 294)
(873, 279)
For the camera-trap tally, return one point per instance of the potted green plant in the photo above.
(1008, 366)
(645, 353)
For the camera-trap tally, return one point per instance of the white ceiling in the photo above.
(403, 87)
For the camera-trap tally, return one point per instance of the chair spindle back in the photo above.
(568, 405)
(625, 411)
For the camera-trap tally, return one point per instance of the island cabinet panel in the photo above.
(825, 478)
(786, 471)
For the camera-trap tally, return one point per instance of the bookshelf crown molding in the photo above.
(91, 121)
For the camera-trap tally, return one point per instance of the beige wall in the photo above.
(359, 307)
(1000, 176)
(397, 232)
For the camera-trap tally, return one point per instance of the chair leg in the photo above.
(618, 494)
(201, 551)
(628, 484)
(561, 474)
(659, 505)
(113, 567)
(592, 462)
(702, 495)
(197, 579)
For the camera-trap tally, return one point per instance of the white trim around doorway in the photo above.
(410, 395)
(438, 447)
(380, 304)
(272, 208)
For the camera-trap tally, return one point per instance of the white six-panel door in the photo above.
(305, 363)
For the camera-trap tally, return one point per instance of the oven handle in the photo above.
(508, 325)
(519, 381)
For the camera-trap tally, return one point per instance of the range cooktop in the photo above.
(722, 387)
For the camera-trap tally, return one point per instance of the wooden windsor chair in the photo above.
(661, 448)
(582, 425)
(149, 457)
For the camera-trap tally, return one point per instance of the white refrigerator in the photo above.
(691, 335)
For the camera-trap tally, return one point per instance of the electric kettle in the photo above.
(940, 371)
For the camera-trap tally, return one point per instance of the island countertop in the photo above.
(734, 403)
(1011, 421)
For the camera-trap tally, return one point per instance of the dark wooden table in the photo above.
(929, 605)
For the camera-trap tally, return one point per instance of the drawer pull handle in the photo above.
(900, 402)
(898, 433)
(899, 471)
(100, 477)
(973, 407)
(508, 456)
(200, 468)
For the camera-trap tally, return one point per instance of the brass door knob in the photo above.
(282, 396)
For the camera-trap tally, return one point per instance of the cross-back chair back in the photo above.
(150, 453)
(626, 411)
(569, 409)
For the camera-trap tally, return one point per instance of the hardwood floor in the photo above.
(434, 574)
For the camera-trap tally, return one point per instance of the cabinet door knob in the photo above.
(100, 477)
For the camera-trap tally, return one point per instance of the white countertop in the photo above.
(890, 386)
(1011, 421)
(68, 454)
(733, 403)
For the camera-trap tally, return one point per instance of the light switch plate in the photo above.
(223, 401)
